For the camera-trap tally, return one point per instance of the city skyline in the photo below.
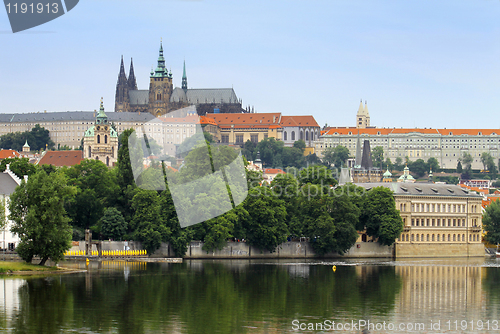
(418, 64)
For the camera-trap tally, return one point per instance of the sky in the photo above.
(416, 63)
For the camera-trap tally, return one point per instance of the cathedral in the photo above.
(162, 97)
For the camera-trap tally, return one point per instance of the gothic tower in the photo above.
(362, 117)
(122, 88)
(160, 87)
(132, 84)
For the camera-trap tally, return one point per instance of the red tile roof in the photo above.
(62, 158)
(298, 121)
(207, 120)
(246, 120)
(9, 154)
(273, 171)
(386, 131)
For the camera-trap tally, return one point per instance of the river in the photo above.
(258, 296)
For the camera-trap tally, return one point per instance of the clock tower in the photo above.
(160, 87)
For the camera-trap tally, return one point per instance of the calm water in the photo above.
(258, 297)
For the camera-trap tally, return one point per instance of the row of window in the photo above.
(439, 237)
(438, 207)
(301, 135)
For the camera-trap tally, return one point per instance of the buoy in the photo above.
(334, 268)
(87, 261)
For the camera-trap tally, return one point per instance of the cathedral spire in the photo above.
(132, 84)
(160, 70)
(184, 79)
(122, 72)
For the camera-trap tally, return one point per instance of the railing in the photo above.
(109, 253)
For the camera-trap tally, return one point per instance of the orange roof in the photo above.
(246, 119)
(476, 189)
(9, 154)
(273, 171)
(387, 131)
(187, 119)
(207, 120)
(62, 158)
(298, 121)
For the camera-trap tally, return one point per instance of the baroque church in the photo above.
(162, 97)
(100, 141)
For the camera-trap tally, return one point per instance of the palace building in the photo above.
(446, 145)
(440, 220)
(162, 97)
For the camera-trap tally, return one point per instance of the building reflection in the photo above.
(434, 290)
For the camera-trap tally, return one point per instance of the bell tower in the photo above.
(160, 87)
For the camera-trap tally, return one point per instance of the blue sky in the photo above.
(417, 63)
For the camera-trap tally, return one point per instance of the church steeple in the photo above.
(161, 71)
(122, 75)
(132, 84)
(184, 79)
(101, 118)
(121, 96)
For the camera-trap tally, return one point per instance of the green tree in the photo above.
(249, 151)
(459, 167)
(398, 164)
(336, 156)
(3, 214)
(293, 157)
(380, 217)
(433, 164)
(265, 226)
(300, 144)
(378, 156)
(317, 174)
(491, 222)
(418, 167)
(147, 220)
(113, 225)
(39, 218)
(271, 151)
(466, 161)
(312, 159)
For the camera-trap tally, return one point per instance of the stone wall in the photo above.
(439, 250)
(303, 250)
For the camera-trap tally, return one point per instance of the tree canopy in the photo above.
(39, 218)
(491, 222)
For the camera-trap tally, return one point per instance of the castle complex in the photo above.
(162, 97)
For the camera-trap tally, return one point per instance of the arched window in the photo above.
(454, 238)
(427, 237)
(293, 135)
(113, 151)
(105, 139)
(90, 150)
(307, 135)
(418, 235)
(98, 139)
(433, 237)
(463, 237)
(302, 135)
(284, 136)
(107, 161)
(158, 97)
(412, 239)
(449, 237)
(438, 237)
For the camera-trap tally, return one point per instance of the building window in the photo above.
(224, 139)
(254, 138)
(105, 139)
(293, 135)
(90, 154)
(284, 136)
(239, 139)
(98, 139)
(107, 161)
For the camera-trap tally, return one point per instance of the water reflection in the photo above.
(247, 296)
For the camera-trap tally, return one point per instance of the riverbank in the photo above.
(8, 268)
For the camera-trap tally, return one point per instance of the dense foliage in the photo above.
(38, 139)
(304, 203)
